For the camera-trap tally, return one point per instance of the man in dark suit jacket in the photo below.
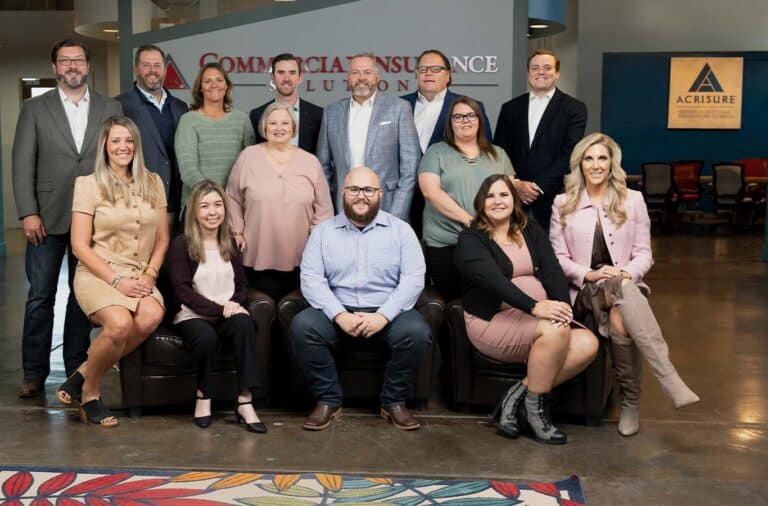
(156, 112)
(286, 76)
(538, 130)
(55, 142)
(430, 106)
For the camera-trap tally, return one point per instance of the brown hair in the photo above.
(192, 228)
(482, 141)
(542, 51)
(143, 49)
(517, 220)
(197, 92)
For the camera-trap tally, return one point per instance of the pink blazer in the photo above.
(629, 244)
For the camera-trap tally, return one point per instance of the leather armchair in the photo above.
(479, 381)
(360, 363)
(161, 372)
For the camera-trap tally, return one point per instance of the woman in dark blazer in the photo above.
(209, 283)
(516, 307)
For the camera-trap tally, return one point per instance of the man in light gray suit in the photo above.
(55, 142)
(374, 130)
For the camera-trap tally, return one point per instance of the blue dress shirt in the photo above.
(381, 266)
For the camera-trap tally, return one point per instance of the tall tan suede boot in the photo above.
(642, 327)
(628, 367)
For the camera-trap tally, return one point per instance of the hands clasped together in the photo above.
(606, 272)
(136, 286)
(232, 308)
(361, 324)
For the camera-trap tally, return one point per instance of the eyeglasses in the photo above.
(71, 61)
(431, 68)
(461, 118)
(368, 191)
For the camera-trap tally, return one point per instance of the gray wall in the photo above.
(679, 25)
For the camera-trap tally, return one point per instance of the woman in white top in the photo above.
(209, 283)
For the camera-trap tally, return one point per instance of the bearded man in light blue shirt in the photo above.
(362, 272)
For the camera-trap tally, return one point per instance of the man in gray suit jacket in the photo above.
(374, 130)
(156, 112)
(55, 142)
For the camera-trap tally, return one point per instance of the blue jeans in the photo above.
(313, 336)
(43, 264)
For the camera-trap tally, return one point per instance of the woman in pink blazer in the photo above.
(601, 234)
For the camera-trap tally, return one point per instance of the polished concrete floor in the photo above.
(710, 295)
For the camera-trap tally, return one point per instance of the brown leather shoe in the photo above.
(320, 417)
(400, 417)
(31, 387)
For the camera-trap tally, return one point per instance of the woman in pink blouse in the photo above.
(601, 234)
(277, 194)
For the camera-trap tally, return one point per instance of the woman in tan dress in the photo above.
(119, 235)
(277, 193)
(517, 307)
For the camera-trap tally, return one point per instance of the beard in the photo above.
(150, 86)
(366, 217)
(286, 92)
(362, 89)
(73, 78)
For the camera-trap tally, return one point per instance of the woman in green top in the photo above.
(449, 175)
(210, 137)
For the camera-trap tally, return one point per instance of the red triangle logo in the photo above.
(173, 78)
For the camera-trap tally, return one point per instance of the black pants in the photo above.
(444, 276)
(276, 284)
(203, 338)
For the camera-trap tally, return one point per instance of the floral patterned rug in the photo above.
(90, 487)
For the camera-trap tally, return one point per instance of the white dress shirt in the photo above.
(425, 115)
(77, 116)
(152, 99)
(359, 117)
(536, 107)
(295, 138)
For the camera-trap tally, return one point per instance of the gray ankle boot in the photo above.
(535, 414)
(645, 332)
(626, 363)
(505, 414)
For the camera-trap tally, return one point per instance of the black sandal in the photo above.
(255, 427)
(72, 387)
(94, 411)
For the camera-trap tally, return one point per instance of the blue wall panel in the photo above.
(634, 101)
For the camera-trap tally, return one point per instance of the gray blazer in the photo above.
(45, 159)
(391, 150)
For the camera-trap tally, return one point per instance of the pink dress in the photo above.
(509, 334)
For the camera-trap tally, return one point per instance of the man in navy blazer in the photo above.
(286, 76)
(430, 106)
(374, 130)
(538, 130)
(156, 112)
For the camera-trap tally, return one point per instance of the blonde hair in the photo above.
(615, 192)
(112, 187)
(192, 228)
(276, 106)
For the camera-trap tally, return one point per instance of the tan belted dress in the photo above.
(123, 235)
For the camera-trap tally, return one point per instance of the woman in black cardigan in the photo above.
(209, 283)
(517, 309)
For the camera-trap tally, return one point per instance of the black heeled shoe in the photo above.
(94, 411)
(72, 388)
(203, 421)
(256, 427)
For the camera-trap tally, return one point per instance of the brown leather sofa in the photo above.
(361, 363)
(479, 381)
(161, 372)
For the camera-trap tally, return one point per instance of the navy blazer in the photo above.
(546, 160)
(156, 158)
(310, 117)
(437, 133)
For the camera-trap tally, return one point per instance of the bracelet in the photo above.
(115, 281)
(153, 275)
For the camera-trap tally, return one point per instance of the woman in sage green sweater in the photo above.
(210, 137)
